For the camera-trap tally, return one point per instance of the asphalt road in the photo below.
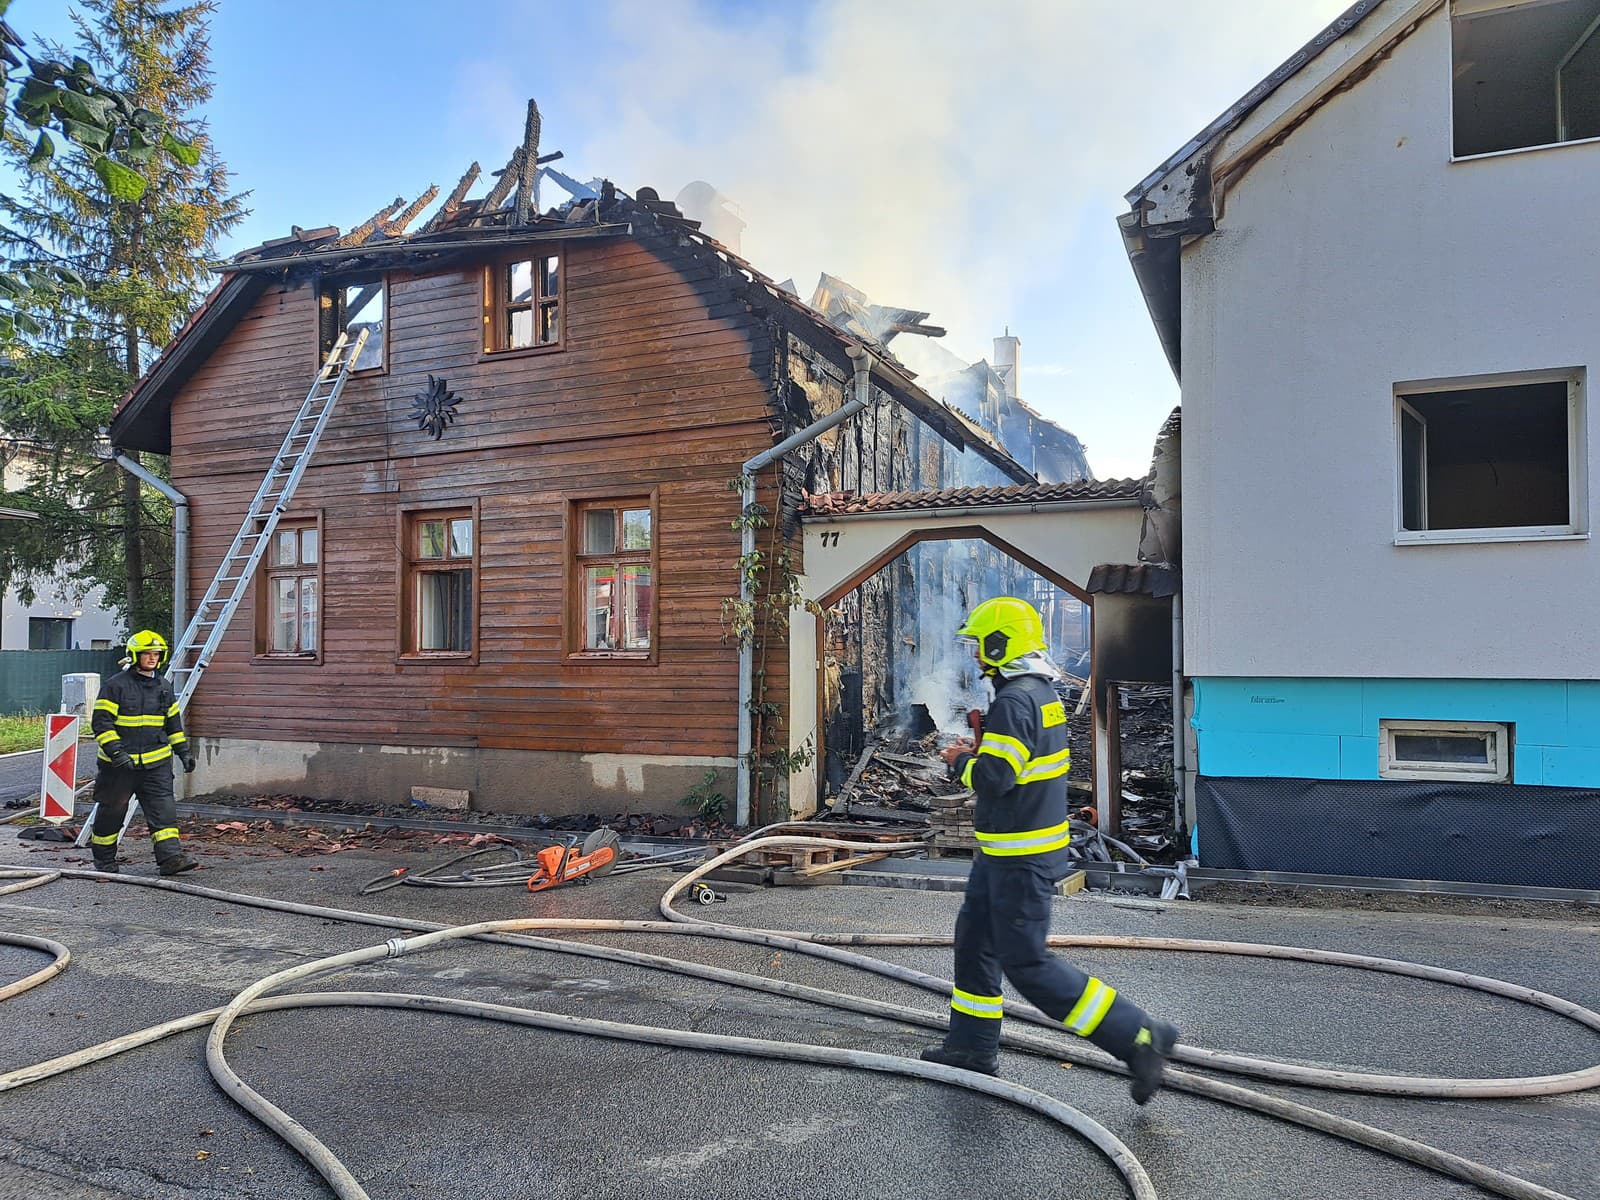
(20, 773)
(434, 1106)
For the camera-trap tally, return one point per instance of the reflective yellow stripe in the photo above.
(162, 835)
(1028, 841)
(177, 739)
(966, 772)
(109, 706)
(1090, 1009)
(173, 711)
(109, 839)
(1008, 748)
(1047, 766)
(108, 736)
(152, 756)
(138, 722)
(974, 1005)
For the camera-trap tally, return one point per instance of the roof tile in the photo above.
(849, 504)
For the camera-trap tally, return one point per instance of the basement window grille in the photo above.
(440, 600)
(1445, 750)
(613, 578)
(1526, 74)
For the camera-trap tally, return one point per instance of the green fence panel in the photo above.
(30, 680)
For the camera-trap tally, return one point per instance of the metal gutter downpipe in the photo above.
(180, 538)
(747, 547)
(1180, 732)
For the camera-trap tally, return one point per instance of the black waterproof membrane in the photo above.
(1496, 833)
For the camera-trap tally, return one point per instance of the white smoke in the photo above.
(967, 160)
(938, 154)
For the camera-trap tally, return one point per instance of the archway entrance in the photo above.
(1057, 532)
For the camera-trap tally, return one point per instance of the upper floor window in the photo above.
(1527, 73)
(1492, 458)
(613, 577)
(289, 611)
(524, 310)
(438, 607)
(349, 307)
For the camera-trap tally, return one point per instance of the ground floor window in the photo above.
(289, 612)
(613, 576)
(1491, 458)
(49, 633)
(1446, 750)
(439, 606)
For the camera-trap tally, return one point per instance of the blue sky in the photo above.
(965, 159)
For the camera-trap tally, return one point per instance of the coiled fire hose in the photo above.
(256, 999)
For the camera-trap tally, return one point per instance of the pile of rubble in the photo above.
(900, 777)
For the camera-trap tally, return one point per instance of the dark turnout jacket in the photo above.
(139, 715)
(1019, 773)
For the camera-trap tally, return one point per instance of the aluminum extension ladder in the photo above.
(201, 637)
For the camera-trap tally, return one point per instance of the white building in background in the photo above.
(64, 615)
(1375, 276)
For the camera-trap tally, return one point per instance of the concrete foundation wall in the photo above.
(555, 783)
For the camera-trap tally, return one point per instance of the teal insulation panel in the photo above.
(1328, 728)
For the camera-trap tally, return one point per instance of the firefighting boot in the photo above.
(106, 866)
(984, 1062)
(1148, 1061)
(177, 864)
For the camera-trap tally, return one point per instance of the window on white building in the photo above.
(1526, 72)
(1448, 750)
(1493, 458)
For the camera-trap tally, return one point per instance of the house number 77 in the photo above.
(831, 538)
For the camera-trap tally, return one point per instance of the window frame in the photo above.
(262, 655)
(1466, 10)
(1590, 34)
(406, 633)
(572, 592)
(1577, 526)
(326, 282)
(495, 326)
(1499, 769)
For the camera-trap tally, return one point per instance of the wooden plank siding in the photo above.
(663, 382)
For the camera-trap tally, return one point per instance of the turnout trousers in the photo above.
(1002, 930)
(113, 787)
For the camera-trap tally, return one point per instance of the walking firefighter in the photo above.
(1018, 771)
(139, 730)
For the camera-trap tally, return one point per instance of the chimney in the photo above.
(1005, 361)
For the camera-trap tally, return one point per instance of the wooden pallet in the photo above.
(799, 864)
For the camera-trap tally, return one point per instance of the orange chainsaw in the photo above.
(566, 861)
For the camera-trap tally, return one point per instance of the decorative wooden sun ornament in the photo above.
(434, 408)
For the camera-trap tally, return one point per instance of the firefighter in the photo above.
(1018, 769)
(139, 729)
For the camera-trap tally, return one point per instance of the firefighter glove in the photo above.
(188, 762)
(120, 758)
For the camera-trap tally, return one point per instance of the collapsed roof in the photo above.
(463, 230)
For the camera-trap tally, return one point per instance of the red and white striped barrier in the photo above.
(60, 767)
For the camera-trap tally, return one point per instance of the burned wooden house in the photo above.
(506, 565)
